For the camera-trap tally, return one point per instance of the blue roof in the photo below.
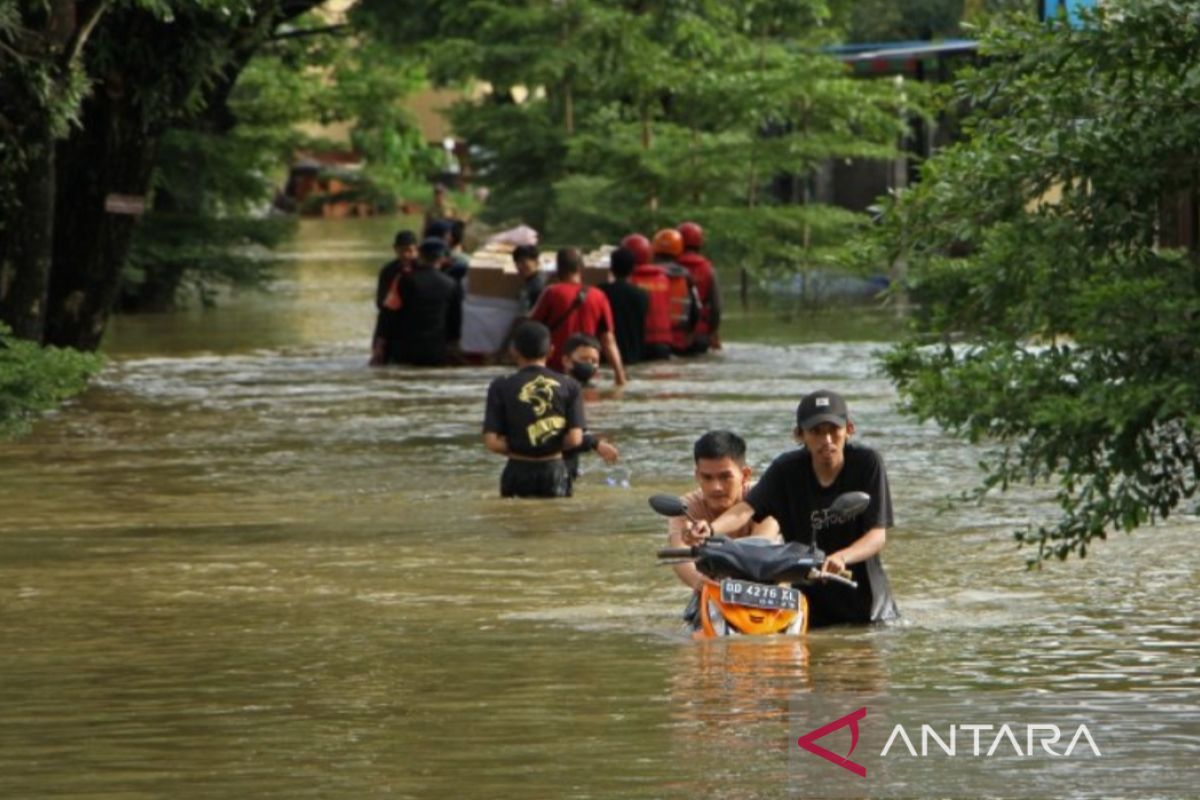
(870, 51)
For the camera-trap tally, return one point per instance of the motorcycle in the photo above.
(756, 586)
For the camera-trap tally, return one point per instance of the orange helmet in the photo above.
(693, 235)
(668, 242)
(640, 247)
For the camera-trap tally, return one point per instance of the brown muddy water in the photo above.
(246, 565)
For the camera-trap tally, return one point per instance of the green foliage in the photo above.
(35, 379)
(216, 175)
(1066, 330)
(607, 115)
(370, 86)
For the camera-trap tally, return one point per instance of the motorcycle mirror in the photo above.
(668, 505)
(850, 504)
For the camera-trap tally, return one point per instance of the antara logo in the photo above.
(1046, 735)
(1038, 739)
(808, 741)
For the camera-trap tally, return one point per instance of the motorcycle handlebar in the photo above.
(676, 552)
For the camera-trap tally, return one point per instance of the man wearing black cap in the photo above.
(430, 321)
(798, 489)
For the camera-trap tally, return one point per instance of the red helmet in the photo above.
(668, 242)
(693, 235)
(640, 247)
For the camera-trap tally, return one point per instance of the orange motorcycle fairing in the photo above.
(745, 619)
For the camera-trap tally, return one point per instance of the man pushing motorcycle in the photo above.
(798, 490)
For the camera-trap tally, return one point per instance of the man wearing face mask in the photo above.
(581, 360)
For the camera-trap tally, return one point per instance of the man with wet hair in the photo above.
(798, 489)
(531, 417)
(722, 478)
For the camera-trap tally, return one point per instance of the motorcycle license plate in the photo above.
(759, 595)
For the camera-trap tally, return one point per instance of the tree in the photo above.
(609, 115)
(42, 84)
(152, 65)
(1060, 322)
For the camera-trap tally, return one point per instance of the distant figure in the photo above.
(526, 260)
(531, 417)
(430, 321)
(629, 305)
(582, 362)
(569, 307)
(652, 279)
(457, 262)
(707, 291)
(440, 206)
(685, 305)
(388, 299)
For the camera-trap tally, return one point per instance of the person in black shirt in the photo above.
(629, 304)
(531, 417)
(430, 321)
(388, 300)
(798, 489)
(525, 259)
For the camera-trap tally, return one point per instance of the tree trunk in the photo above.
(112, 154)
(27, 249)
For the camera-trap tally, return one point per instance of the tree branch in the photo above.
(84, 30)
(304, 32)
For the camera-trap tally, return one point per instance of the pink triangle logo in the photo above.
(808, 741)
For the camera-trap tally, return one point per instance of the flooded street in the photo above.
(246, 565)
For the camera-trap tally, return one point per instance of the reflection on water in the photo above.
(244, 564)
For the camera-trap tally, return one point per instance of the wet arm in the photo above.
(573, 439)
(496, 443)
(733, 519)
(608, 343)
(767, 528)
(687, 572)
(864, 547)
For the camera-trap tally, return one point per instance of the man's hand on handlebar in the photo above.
(834, 564)
(696, 532)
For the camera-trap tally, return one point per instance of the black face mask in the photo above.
(582, 371)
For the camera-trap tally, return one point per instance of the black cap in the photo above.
(432, 248)
(822, 406)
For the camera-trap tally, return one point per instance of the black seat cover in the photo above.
(757, 560)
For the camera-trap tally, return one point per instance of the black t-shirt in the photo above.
(531, 290)
(430, 317)
(385, 321)
(629, 304)
(534, 408)
(790, 492)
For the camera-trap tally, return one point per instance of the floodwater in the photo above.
(246, 565)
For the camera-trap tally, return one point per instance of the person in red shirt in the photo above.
(652, 278)
(705, 278)
(569, 307)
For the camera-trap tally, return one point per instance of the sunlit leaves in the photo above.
(1069, 330)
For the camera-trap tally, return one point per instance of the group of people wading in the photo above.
(662, 300)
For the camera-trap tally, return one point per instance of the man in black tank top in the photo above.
(533, 415)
